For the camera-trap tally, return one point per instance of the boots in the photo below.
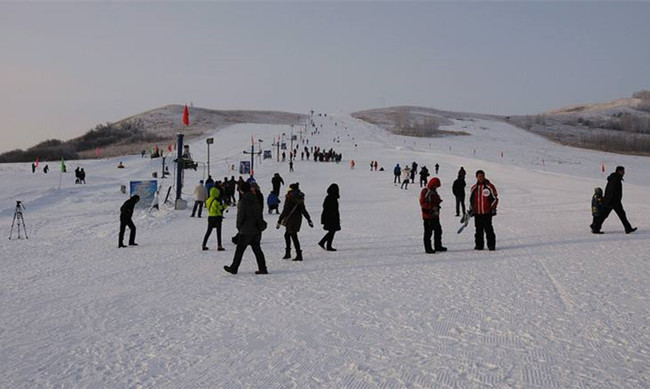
(298, 256)
(287, 253)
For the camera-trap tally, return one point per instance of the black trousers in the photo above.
(243, 242)
(483, 224)
(127, 223)
(460, 201)
(618, 208)
(423, 181)
(328, 239)
(432, 227)
(198, 204)
(291, 236)
(397, 179)
(214, 222)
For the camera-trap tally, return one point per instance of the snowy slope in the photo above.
(553, 307)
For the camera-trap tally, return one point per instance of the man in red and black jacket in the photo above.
(483, 201)
(430, 205)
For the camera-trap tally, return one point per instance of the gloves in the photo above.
(311, 224)
(277, 226)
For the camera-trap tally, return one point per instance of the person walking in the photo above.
(458, 189)
(483, 201)
(424, 176)
(414, 171)
(437, 168)
(291, 217)
(250, 225)
(290, 165)
(613, 202)
(126, 220)
(397, 172)
(330, 218)
(215, 208)
(200, 194)
(406, 177)
(82, 176)
(277, 182)
(430, 205)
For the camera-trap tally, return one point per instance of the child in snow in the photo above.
(596, 205)
(273, 201)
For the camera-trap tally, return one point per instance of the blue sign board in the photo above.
(146, 190)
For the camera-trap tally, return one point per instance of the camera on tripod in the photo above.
(18, 220)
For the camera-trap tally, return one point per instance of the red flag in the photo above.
(169, 148)
(186, 116)
(602, 167)
(36, 162)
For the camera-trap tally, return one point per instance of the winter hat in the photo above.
(598, 191)
(620, 168)
(434, 183)
(245, 187)
(200, 181)
(294, 186)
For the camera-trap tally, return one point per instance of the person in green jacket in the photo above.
(215, 208)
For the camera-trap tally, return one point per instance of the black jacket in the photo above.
(276, 181)
(126, 211)
(613, 190)
(249, 215)
(458, 187)
(330, 218)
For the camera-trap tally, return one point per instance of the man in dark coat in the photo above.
(458, 189)
(424, 176)
(126, 215)
(291, 217)
(414, 171)
(250, 225)
(330, 218)
(612, 201)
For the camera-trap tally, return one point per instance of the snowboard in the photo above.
(465, 221)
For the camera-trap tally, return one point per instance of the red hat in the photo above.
(434, 183)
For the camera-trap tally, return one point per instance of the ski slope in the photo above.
(553, 307)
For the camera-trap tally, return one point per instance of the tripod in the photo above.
(18, 215)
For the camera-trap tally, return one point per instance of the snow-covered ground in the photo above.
(553, 307)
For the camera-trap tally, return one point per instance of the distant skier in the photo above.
(437, 168)
(200, 194)
(430, 205)
(597, 206)
(291, 217)
(46, 169)
(424, 176)
(250, 225)
(82, 176)
(406, 177)
(612, 202)
(458, 189)
(483, 201)
(215, 208)
(126, 216)
(397, 172)
(277, 182)
(33, 168)
(291, 165)
(330, 218)
(414, 171)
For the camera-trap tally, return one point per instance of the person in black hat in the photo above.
(612, 201)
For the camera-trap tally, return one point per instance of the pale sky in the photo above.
(65, 67)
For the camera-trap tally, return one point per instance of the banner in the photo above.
(244, 167)
(267, 154)
(146, 190)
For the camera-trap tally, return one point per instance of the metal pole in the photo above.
(179, 166)
(252, 159)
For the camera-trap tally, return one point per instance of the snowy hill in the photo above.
(553, 307)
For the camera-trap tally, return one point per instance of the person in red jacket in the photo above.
(430, 205)
(483, 203)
